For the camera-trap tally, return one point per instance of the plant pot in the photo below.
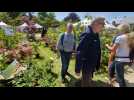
(6, 83)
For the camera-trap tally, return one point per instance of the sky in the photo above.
(108, 15)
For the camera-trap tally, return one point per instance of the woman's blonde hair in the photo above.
(131, 40)
(125, 28)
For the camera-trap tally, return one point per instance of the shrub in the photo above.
(39, 75)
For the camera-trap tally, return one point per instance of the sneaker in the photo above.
(68, 74)
(63, 80)
(112, 82)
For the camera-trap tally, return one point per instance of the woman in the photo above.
(120, 50)
(111, 67)
(66, 45)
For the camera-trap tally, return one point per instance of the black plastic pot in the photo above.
(6, 83)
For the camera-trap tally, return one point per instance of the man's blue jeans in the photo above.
(65, 59)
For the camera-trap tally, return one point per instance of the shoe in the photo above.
(63, 80)
(68, 74)
(112, 82)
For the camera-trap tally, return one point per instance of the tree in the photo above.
(88, 17)
(114, 23)
(73, 17)
(47, 18)
(42, 15)
(51, 15)
(3, 16)
(13, 14)
(11, 18)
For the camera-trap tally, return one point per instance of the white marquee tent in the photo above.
(2, 24)
(22, 27)
(25, 25)
(38, 26)
(109, 26)
(85, 22)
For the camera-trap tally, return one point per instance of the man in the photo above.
(66, 45)
(89, 52)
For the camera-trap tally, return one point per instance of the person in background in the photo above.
(44, 31)
(131, 46)
(89, 52)
(66, 46)
(120, 50)
(30, 29)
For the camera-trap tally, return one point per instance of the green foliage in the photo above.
(2, 62)
(4, 17)
(39, 75)
(10, 41)
(47, 18)
(88, 17)
(105, 39)
(73, 17)
(11, 18)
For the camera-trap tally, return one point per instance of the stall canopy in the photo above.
(24, 25)
(38, 26)
(109, 25)
(3, 24)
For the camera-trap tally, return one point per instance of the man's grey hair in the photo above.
(98, 19)
(69, 24)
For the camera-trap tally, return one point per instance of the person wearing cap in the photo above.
(66, 46)
(89, 52)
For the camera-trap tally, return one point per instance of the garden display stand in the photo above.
(11, 72)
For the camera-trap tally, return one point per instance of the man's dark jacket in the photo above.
(88, 52)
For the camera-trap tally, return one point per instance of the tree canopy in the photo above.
(73, 17)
